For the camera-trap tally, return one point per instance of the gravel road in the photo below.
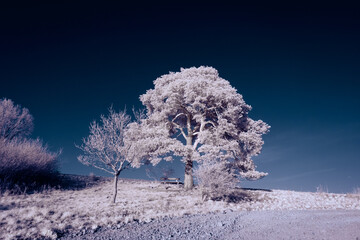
(306, 224)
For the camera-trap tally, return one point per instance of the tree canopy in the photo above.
(15, 121)
(105, 147)
(199, 116)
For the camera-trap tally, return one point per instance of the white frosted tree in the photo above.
(15, 121)
(198, 116)
(106, 149)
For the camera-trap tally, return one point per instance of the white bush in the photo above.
(215, 179)
(25, 161)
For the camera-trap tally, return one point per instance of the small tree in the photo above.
(198, 116)
(105, 147)
(14, 120)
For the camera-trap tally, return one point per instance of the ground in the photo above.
(51, 214)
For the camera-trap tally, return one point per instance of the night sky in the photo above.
(298, 66)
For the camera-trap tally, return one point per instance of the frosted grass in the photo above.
(49, 214)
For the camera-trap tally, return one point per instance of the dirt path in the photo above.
(308, 224)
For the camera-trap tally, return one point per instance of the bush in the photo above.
(216, 180)
(26, 164)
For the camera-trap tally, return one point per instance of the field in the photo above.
(52, 213)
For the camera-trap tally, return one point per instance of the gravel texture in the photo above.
(275, 224)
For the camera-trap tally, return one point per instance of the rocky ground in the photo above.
(276, 224)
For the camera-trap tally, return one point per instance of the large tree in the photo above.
(106, 149)
(199, 116)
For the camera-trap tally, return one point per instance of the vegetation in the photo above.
(216, 180)
(25, 164)
(106, 149)
(198, 116)
(51, 214)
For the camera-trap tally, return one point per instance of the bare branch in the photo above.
(103, 169)
(105, 145)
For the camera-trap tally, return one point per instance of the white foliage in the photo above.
(14, 120)
(216, 179)
(23, 161)
(105, 148)
(199, 116)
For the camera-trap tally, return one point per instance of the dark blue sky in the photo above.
(297, 65)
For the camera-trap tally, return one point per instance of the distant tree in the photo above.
(105, 147)
(198, 116)
(15, 121)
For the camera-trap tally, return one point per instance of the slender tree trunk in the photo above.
(115, 186)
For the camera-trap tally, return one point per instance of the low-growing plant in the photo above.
(26, 165)
(216, 180)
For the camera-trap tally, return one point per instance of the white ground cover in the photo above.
(45, 215)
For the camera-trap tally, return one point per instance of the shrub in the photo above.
(26, 164)
(216, 180)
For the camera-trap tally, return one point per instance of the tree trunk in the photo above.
(115, 186)
(188, 180)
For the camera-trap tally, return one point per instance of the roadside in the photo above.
(277, 224)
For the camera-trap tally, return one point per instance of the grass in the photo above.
(51, 213)
(356, 191)
(322, 189)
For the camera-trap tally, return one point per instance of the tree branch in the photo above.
(210, 122)
(104, 169)
(121, 165)
(177, 116)
(197, 141)
(180, 128)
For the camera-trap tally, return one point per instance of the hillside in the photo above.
(52, 213)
